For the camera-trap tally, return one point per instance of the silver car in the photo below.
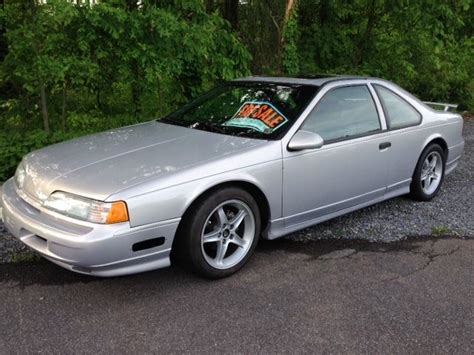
(254, 157)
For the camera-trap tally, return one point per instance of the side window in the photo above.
(343, 113)
(399, 112)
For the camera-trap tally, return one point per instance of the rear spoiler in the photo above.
(441, 106)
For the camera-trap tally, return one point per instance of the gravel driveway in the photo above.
(450, 213)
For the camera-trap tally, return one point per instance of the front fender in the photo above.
(172, 202)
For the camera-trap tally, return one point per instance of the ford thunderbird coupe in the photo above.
(257, 157)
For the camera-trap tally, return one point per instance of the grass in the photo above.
(23, 257)
(440, 230)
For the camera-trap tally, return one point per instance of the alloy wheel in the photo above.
(431, 172)
(228, 234)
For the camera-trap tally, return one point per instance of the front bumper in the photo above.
(95, 249)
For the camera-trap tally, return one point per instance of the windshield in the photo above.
(246, 109)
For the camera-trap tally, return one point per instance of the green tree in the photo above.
(425, 46)
(36, 44)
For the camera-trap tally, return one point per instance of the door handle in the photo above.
(385, 145)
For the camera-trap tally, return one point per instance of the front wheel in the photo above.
(220, 234)
(429, 174)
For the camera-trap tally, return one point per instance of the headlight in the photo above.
(20, 175)
(87, 209)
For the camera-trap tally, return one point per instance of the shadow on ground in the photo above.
(40, 271)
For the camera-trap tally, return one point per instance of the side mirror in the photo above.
(305, 140)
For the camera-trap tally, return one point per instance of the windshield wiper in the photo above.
(197, 125)
(207, 126)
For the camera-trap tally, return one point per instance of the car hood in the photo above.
(99, 165)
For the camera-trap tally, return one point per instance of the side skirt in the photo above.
(277, 228)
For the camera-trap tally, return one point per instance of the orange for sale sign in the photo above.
(261, 116)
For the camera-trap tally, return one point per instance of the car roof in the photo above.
(313, 80)
(320, 80)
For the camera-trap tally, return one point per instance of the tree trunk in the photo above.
(230, 11)
(44, 109)
(136, 88)
(324, 13)
(63, 108)
(3, 40)
(290, 5)
(365, 38)
(98, 97)
(131, 5)
(210, 6)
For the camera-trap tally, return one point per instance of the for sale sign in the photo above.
(258, 115)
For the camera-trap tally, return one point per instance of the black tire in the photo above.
(416, 187)
(188, 250)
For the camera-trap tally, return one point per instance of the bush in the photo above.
(72, 69)
(14, 145)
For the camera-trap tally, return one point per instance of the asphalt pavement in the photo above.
(379, 280)
(412, 296)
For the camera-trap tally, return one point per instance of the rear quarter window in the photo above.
(399, 113)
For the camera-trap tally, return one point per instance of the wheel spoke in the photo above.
(237, 220)
(424, 175)
(428, 182)
(221, 250)
(211, 237)
(222, 216)
(237, 240)
(434, 160)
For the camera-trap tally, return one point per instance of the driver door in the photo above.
(351, 167)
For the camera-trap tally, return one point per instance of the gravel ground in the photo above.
(10, 248)
(450, 213)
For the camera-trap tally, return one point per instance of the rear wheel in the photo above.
(220, 234)
(429, 174)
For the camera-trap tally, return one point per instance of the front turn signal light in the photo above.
(118, 213)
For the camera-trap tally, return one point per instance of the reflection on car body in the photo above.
(255, 157)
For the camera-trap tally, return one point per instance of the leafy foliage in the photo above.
(425, 46)
(69, 69)
(109, 59)
(75, 69)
